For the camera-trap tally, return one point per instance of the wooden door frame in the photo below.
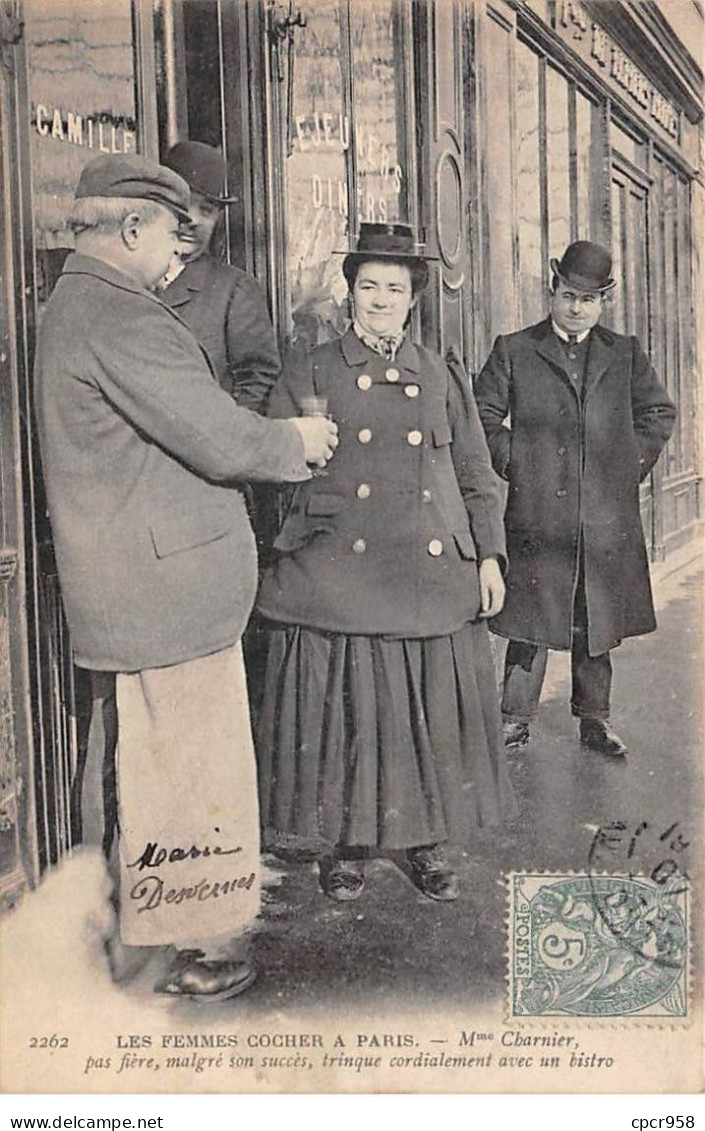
(15, 313)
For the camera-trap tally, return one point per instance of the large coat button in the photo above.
(561, 493)
(364, 382)
(435, 547)
(359, 546)
(364, 491)
(415, 438)
(392, 374)
(426, 495)
(411, 390)
(364, 435)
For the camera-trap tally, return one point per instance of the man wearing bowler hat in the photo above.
(222, 305)
(575, 419)
(144, 458)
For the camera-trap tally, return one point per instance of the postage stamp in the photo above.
(597, 946)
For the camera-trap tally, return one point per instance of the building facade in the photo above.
(501, 129)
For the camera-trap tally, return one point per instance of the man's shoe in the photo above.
(516, 734)
(596, 734)
(197, 978)
(126, 962)
(342, 880)
(432, 873)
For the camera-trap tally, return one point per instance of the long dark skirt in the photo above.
(368, 741)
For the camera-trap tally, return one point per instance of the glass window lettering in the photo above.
(572, 21)
(347, 56)
(379, 113)
(82, 103)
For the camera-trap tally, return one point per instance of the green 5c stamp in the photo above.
(597, 946)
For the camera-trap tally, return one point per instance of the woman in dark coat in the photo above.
(379, 725)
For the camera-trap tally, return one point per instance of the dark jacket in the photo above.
(574, 468)
(226, 310)
(387, 542)
(141, 451)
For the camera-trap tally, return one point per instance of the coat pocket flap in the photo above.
(174, 532)
(442, 435)
(324, 504)
(466, 545)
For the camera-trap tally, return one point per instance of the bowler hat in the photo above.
(136, 177)
(202, 167)
(585, 266)
(385, 241)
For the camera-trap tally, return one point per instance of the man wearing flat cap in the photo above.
(144, 459)
(575, 418)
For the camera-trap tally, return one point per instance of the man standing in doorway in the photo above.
(223, 305)
(144, 457)
(575, 419)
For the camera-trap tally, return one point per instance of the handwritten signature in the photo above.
(151, 892)
(154, 854)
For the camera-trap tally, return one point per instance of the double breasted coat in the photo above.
(387, 542)
(226, 310)
(142, 455)
(573, 460)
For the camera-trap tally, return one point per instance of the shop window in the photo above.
(347, 157)
(628, 145)
(170, 67)
(670, 325)
(500, 181)
(190, 71)
(673, 344)
(544, 171)
(629, 303)
(382, 186)
(617, 306)
(528, 173)
(588, 147)
(661, 301)
(189, 89)
(317, 184)
(557, 163)
(82, 103)
(688, 388)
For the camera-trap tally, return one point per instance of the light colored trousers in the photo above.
(188, 846)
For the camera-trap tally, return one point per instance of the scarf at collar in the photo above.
(386, 345)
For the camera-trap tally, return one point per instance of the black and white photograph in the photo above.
(351, 546)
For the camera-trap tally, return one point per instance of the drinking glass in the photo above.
(315, 405)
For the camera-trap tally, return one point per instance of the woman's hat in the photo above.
(385, 241)
(585, 267)
(202, 167)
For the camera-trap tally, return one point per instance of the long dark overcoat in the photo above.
(573, 466)
(227, 311)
